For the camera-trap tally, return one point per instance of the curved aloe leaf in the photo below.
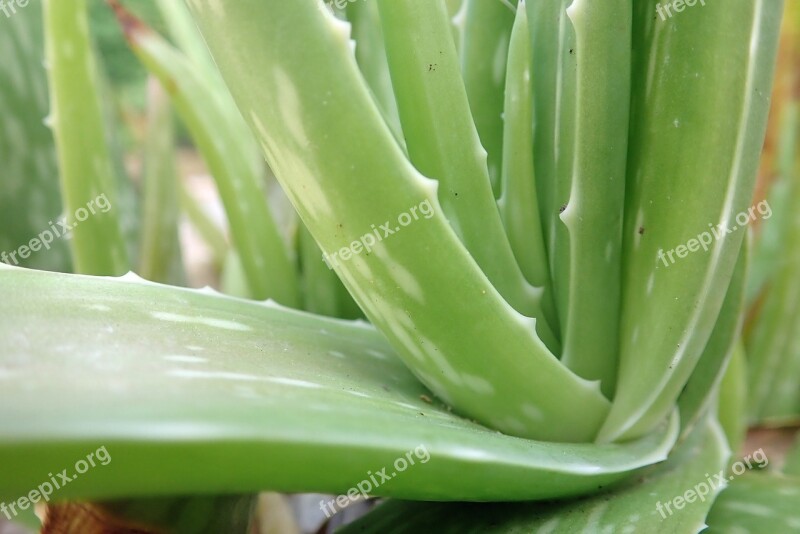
(697, 130)
(30, 198)
(702, 387)
(757, 502)
(484, 359)
(216, 126)
(629, 508)
(371, 57)
(484, 49)
(85, 165)
(518, 204)
(230, 396)
(443, 144)
(554, 84)
(159, 257)
(591, 162)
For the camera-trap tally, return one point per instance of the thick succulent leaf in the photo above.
(341, 168)
(198, 393)
(228, 147)
(591, 166)
(371, 57)
(703, 88)
(443, 144)
(30, 198)
(702, 387)
(554, 84)
(484, 49)
(756, 503)
(518, 204)
(85, 163)
(629, 508)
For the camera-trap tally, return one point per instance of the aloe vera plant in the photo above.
(513, 198)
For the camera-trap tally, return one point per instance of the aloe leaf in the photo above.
(518, 204)
(232, 396)
(159, 256)
(443, 144)
(76, 118)
(323, 292)
(757, 502)
(222, 137)
(186, 36)
(773, 344)
(703, 386)
(629, 508)
(768, 251)
(732, 405)
(594, 126)
(484, 49)
(371, 57)
(714, 116)
(552, 37)
(485, 359)
(30, 199)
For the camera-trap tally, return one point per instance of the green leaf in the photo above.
(629, 508)
(224, 395)
(371, 58)
(698, 121)
(703, 386)
(518, 203)
(773, 342)
(345, 174)
(756, 503)
(85, 164)
(222, 137)
(160, 255)
(484, 49)
(30, 199)
(443, 144)
(590, 187)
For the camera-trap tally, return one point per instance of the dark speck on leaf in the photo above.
(641, 230)
(562, 208)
